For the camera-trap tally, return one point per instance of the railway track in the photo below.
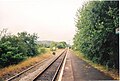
(55, 65)
(14, 78)
(50, 73)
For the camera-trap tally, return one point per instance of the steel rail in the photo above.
(57, 70)
(19, 74)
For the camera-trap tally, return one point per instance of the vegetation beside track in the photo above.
(14, 69)
(17, 68)
(96, 37)
(111, 72)
(17, 48)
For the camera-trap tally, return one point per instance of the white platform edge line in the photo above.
(61, 73)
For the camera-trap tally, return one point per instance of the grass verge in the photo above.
(111, 72)
(13, 69)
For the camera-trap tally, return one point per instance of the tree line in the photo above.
(59, 45)
(51, 44)
(96, 37)
(16, 48)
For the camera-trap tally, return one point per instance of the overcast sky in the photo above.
(50, 19)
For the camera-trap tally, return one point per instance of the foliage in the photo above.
(53, 46)
(61, 45)
(41, 49)
(96, 38)
(16, 48)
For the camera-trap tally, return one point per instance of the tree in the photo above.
(28, 41)
(16, 48)
(61, 44)
(96, 23)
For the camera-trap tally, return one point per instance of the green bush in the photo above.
(96, 37)
(14, 49)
